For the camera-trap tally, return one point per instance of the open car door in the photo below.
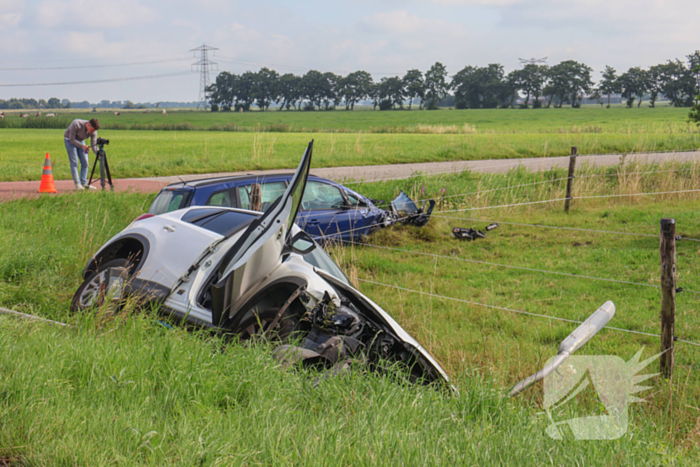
(259, 250)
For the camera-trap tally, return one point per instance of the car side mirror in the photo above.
(302, 243)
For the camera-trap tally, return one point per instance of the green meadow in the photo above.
(142, 153)
(661, 119)
(126, 390)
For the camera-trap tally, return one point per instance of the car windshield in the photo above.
(167, 201)
(320, 196)
(319, 258)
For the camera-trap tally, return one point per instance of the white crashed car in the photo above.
(255, 275)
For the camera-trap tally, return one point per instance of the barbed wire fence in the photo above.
(441, 214)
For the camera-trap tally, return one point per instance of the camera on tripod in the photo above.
(101, 156)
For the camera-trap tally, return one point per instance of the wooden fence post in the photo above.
(570, 181)
(668, 294)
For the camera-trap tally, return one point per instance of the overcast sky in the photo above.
(384, 37)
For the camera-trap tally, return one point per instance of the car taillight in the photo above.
(143, 216)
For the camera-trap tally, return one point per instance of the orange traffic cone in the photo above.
(47, 185)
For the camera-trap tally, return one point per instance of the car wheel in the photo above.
(256, 324)
(94, 289)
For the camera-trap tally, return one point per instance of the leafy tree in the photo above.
(265, 89)
(634, 83)
(654, 84)
(374, 95)
(243, 89)
(466, 88)
(331, 94)
(677, 83)
(483, 87)
(392, 91)
(608, 84)
(530, 80)
(54, 103)
(356, 86)
(694, 66)
(414, 86)
(129, 105)
(222, 92)
(435, 84)
(568, 81)
(288, 90)
(694, 114)
(314, 86)
(695, 111)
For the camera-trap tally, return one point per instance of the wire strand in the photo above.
(528, 313)
(548, 181)
(559, 227)
(547, 226)
(520, 162)
(94, 66)
(572, 198)
(109, 80)
(508, 266)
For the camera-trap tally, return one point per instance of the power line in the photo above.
(536, 315)
(109, 80)
(93, 66)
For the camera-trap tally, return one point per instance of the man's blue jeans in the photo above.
(76, 154)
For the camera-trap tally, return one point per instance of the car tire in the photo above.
(254, 325)
(91, 292)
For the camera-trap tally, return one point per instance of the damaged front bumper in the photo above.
(403, 210)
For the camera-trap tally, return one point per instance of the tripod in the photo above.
(104, 167)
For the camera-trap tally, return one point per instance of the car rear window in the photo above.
(169, 200)
(269, 192)
(221, 221)
(220, 198)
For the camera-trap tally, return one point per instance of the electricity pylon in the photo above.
(533, 61)
(204, 65)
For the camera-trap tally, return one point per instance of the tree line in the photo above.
(535, 85)
(18, 104)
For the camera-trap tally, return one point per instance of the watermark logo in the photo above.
(613, 380)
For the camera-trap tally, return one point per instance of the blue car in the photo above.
(329, 210)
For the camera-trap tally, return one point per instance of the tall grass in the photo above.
(96, 393)
(135, 393)
(36, 122)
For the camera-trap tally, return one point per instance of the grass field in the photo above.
(157, 153)
(620, 120)
(271, 416)
(274, 140)
(129, 392)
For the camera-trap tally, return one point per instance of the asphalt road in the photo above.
(351, 175)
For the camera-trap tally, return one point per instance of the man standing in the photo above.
(75, 136)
